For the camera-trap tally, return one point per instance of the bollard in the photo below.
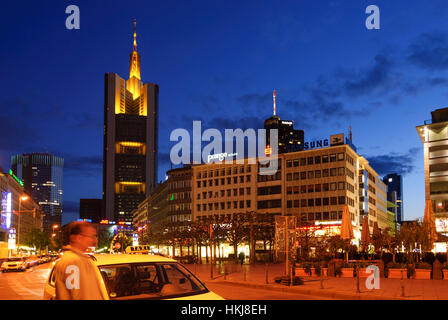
(321, 278)
(267, 280)
(402, 285)
(357, 280)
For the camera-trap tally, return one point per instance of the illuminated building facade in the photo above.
(434, 136)
(289, 140)
(31, 214)
(313, 185)
(130, 141)
(42, 175)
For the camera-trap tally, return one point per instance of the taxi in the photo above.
(142, 277)
(16, 263)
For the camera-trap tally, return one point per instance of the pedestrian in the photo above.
(242, 257)
(76, 275)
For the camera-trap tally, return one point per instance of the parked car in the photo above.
(18, 264)
(141, 276)
(32, 261)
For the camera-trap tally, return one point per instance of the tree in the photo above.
(37, 238)
(237, 231)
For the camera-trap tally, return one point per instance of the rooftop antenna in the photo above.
(350, 135)
(274, 102)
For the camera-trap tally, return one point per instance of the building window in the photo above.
(296, 176)
(325, 201)
(303, 189)
(199, 207)
(247, 203)
(303, 175)
(241, 191)
(317, 188)
(341, 185)
(318, 202)
(332, 157)
(289, 164)
(325, 187)
(325, 173)
(303, 203)
(296, 189)
(310, 188)
(317, 159)
(241, 204)
(341, 156)
(310, 202)
(248, 178)
(318, 216)
(317, 174)
(333, 172)
(310, 174)
(341, 200)
(341, 171)
(289, 190)
(333, 201)
(289, 177)
(303, 161)
(289, 204)
(296, 163)
(324, 159)
(310, 216)
(235, 204)
(310, 160)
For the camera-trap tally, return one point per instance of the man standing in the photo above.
(76, 275)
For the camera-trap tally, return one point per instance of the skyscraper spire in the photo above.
(134, 83)
(135, 34)
(274, 102)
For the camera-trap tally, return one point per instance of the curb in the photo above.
(313, 292)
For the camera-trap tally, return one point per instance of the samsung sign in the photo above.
(316, 144)
(336, 139)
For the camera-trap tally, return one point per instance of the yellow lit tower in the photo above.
(130, 140)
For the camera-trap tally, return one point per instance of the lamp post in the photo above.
(18, 224)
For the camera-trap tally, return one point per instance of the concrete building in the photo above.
(130, 141)
(313, 185)
(42, 175)
(170, 202)
(434, 136)
(16, 206)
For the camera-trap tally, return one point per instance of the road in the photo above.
(29, 285)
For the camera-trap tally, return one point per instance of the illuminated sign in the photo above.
(315, 144)
(14, 176)
(6, 210)
(287, 122)
(268, 151)
(135, 239)
(220, 156)
(337, 139)
(442, 224)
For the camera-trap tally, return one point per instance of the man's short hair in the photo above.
(75, 228)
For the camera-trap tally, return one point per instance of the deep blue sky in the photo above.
(219, 61)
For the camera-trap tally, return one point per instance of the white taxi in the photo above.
(17, 263)
(141, 277)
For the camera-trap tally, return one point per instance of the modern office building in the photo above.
(434, 136)
(394, 183)
(313, 185)
(42, 175)
(130, 141)
(289, 140)
(91, 209)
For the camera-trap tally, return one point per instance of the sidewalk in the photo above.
(337, 288)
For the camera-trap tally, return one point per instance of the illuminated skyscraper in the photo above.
(42, 174)
(289, 140)
(130, 140)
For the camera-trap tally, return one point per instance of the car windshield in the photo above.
(150, 281)
(15, 259)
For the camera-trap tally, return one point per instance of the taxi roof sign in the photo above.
(139, 249)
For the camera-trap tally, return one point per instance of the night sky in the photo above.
(218, 61)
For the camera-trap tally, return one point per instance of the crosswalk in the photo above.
(28, 285)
